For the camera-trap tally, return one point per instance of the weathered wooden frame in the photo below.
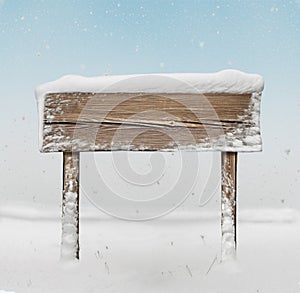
(76, 122)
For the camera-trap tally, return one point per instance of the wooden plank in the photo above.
(103, 122)
(70, 206)
(89, 107)
(96, 137)
(228, 204)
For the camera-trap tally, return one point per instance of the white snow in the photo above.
(69, 222)
(226, 81)
(177, 253)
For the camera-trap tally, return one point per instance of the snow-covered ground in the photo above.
(177, 253)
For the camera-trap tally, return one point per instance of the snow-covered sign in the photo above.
(150, 112)
(162, 112)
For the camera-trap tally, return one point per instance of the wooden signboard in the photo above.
(221, 119)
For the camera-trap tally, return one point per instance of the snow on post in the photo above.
(70, 207)
(228, 205)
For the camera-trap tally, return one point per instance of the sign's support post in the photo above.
(70, 206)
(228, 204)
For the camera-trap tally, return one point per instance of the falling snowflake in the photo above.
(274, 9)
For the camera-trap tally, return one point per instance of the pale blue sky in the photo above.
(42, 40)
(45, 39)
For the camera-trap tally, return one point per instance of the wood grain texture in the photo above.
(85, 107)
(101, 122)
(228, 204)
